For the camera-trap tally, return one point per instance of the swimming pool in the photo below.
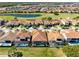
(73, 43)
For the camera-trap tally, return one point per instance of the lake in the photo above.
(22, 15)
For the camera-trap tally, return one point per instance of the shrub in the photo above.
(14, 53)
(19, 54)
(56, 13)
(77, 17)
(49, 18)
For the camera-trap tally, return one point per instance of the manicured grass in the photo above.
(61, 15)
(71, 51)
(35, 51)
(7, 17)
(4, 51)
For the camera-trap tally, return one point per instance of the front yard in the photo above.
(36, 51)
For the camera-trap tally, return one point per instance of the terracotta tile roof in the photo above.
(32, 22)
(46, 22)
(1, 33)
(8, 36)
(63, 21)
(15, 22)
(38, 22)
(19, 22)
(54, 35)
(38, 35)
(74, 22)
(34, 31)
(26, 22)
(71, 33)
(23, 34)
(55, 22)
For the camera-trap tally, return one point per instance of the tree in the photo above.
(13, 52)
(77, 17)
(56, 13)
(19, 54)
(49, 18)
(15, 17)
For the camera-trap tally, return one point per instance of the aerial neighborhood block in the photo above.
(40, 29)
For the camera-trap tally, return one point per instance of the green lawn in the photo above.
(71, 51)
(35, 51)
(61, 15)
(7, 17)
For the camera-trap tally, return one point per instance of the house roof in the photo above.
(38, 35)
(63, 21)
(54, 35)
(55, 21)
(38, 22)
(8, 36)
(71, 34)
(32, 22)
(46, 22)
(15, 22)
(23, 34)
(74, 22)
(26, 22)
(1, 33)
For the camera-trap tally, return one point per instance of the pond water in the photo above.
(22, 15)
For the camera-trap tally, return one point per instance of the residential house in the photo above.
(55, 39)
(47, 24)
(27, 23)
(1, 34)
(39, 38)
(7, 39)
(55, 22)
(36, 23)
(23, 38)
(65, 22)
(71, 36)
(32, 22)
(74, 22)
(39, 22)
(13, 23)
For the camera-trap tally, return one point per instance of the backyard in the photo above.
(71, 51)
(35, 51)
